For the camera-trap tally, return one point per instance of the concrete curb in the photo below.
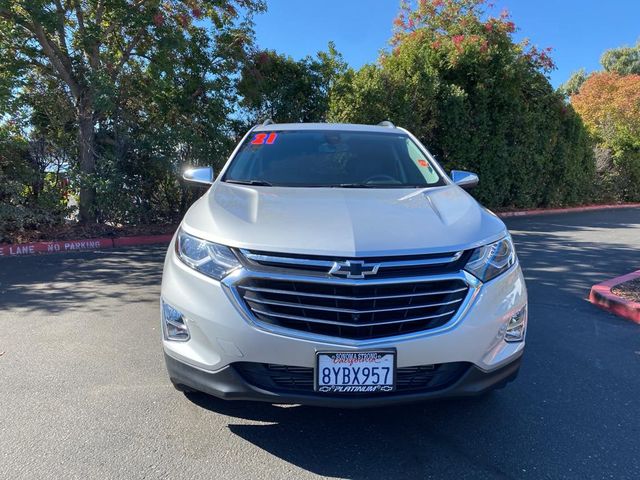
(102, 243)
(601, 296)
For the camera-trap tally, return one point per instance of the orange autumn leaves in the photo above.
(609, 104)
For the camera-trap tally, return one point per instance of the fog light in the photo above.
(516, 326)
(173, 324)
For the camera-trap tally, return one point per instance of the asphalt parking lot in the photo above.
(84, 392)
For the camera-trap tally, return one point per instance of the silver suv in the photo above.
(339, 265)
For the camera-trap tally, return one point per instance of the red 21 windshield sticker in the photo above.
(264, 138)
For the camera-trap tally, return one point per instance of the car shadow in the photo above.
(411, 441)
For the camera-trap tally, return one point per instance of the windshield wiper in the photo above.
(355, 185)
(259, 183)
(377, 185)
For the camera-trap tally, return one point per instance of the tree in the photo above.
(278, 87)
(609, 104)
(174, 114)
(622, 60)
(573, 84)
(88, 49)
(480, 101)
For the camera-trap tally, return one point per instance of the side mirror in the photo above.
(202, 175)
(463, 179)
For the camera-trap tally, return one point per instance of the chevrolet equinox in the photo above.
(339, 265)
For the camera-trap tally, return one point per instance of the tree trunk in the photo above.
(86, 137)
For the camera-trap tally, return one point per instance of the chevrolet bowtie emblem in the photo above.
(354, 269)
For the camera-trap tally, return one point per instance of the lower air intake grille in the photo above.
(283, 378)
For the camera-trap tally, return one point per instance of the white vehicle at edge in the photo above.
(339, 265)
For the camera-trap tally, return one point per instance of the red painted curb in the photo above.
(551, 211)
(86, 244)
(601, 296)
(55, 247)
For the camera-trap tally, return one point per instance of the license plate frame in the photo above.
(364, 357)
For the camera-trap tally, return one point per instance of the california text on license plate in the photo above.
(355, 372)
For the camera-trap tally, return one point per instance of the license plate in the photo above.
(355, 372)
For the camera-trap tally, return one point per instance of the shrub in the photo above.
(30, 196)
(479, 101)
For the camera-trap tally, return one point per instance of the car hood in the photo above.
(345, 222)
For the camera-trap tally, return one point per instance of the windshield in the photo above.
(329, 158)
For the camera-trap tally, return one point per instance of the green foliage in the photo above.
(175, 114)
(278, 87)
(32, 193)
(622, 60)
(479, 101)
(573, 84)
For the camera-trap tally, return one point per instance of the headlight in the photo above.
(491, 260)
(211, 259)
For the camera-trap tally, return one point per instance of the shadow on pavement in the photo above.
(567, 254)
(412, 441)
(81, 281)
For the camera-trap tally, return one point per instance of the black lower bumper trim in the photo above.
(228, 384)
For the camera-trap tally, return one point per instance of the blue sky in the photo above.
(577, 30)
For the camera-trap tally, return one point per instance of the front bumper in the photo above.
(222, 336)
(228, 384)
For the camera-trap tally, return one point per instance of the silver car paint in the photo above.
(342, 221)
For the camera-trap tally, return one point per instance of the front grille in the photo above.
(284, 378)
(354, 311)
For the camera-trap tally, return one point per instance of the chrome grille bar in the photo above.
(346, 324)
(261, 258)
(348, 310)
(285, 261)
(349, 297)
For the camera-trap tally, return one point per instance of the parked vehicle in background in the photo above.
(339, 265)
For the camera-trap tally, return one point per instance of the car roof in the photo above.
(351, 127)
